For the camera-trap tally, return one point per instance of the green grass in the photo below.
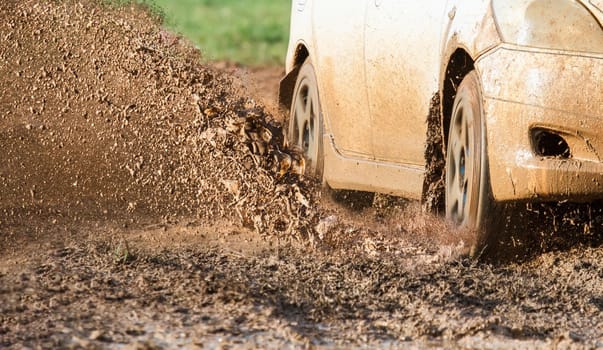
(252, 32)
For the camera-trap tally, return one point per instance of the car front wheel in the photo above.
(469, 203)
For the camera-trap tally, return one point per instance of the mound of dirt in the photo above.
(106, 115)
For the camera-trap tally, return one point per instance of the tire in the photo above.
(469, 203)
(306, 127)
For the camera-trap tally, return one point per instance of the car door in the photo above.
(339, 61)
(403, 49)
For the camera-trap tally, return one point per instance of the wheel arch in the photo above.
(460, 63)
(457, 66)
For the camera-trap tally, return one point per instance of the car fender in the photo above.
(301, 33)
(301, 41)
(472, 28)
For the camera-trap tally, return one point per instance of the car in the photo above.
(470, 106)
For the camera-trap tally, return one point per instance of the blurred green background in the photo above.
(251, 32)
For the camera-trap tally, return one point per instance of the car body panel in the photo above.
(399, 80)
(342, 84)
(471, 28)
(526, 89)
(376, 142)
(551, 24)
(365, 175)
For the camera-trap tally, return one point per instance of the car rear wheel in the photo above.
(469, 203)
(305, 122)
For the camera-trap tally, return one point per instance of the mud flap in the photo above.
(285, 91)
(434, 184)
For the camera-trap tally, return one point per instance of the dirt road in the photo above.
(143, 205)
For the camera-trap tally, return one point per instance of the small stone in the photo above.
(95, 335)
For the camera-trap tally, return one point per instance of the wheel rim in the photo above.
(306, 123)
(461, 166)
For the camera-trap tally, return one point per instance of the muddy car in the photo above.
(468, 105)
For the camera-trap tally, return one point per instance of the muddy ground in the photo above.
(144, 204)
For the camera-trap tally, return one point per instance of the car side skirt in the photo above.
(342, 172)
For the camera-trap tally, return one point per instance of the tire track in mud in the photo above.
(141, 205)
